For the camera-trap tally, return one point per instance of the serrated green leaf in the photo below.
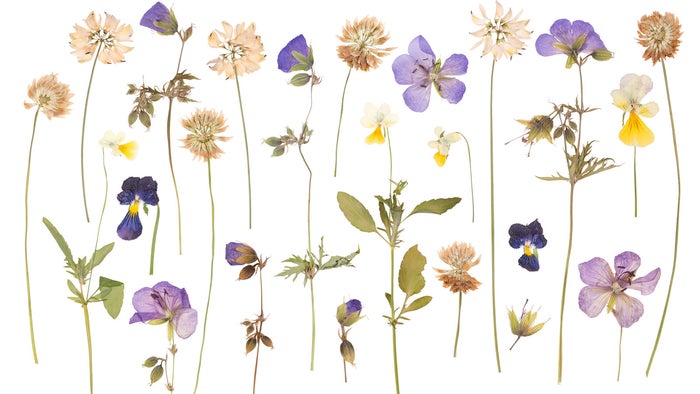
(112, 295)
(418, 303)
(356, 213)
(339, 261)
(99, 255)
(411, 279)
(298, 266)
(437, 206)
(59, 240)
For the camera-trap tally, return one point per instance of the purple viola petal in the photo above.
(627, 310)
(286, 59)
(539, 241)
(128, 193)
(562, 31)
(592, 41)
(596, 272)
(626, 262)
(130, 228)
(451, 89)
(405, 71)
(420, 50)
(353, 306)
(456, 64)
(147, 190)
(157, 13)
(519, 234)
(545, 46)
(417, 97)
(592, 299)
(185, 322)
(530, 263)
(647, 283)
(146, 306)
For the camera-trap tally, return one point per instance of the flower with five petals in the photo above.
(135, 190)
(628, 98)
(530, 238)
(442, 144)
(165, 303)
(379, 120)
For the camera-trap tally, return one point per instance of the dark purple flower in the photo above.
(295, 56)
(134, 191)
(348, 313)
(238, 253)
(574, 40)
(530, 238)
(420, 69)
(160, 19)
(165, 303)
(604, 289)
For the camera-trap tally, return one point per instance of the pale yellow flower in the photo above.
(51, 96)
(204, 126)
(242, 49)
(461, 256)
(362, 39)
(114, 141)
(628, 98)
(660, 35)
(503, 35)
(108, 38)
(442, 144)
(377, 119)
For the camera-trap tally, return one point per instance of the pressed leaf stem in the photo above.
(313, 322)
(391, 159)
(393, 324)
(566, 274)
(471, 181)
(211, 276)
(257, 348)
(153, 241)
(619, 355)
(580, 114)
(678, 219)
(340, 121)
(26, 239)
(89, 341)
(99, 223)
(459, 320)
(172, 174)
(493, 244)
(635, 180)
(82, 133)
(247, 154)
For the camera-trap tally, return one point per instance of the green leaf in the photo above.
(411, 280)
(59, 240)
(156, 373)
(113, 294)
(418, 303)
(437, 206)
(298, 266)
(99, 255)
(340, 261)
(74, 290)
(388, 298)
(300, 79)
(356, 213)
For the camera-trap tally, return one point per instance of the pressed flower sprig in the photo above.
(53, 99)
(442, 144)
(103, 42)
(361, 49)
(603, 289)
(579, 42)
(241, 254)
(379, 120)
(160, 304)
(411, 281)
(347, 314)
(525, 326)
(502, 36)
(461, 257)
(660, 36)
(242, 54)
(109, 292)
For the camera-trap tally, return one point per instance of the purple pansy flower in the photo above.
(160, 19)
(287, 61)
(165, 303)
(134, 191)
(238, 253)
(348, 313)
(574, 40)
(604, 289)
(420, 69)
(530, 238)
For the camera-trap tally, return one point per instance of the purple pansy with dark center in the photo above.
(165, 303)
(530, 238)
(160, 19)
(603, 289)
(134, 191)
(287, 61)
(420, 69)
(238, 253)
(574, 40)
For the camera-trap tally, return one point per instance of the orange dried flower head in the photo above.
(660, 35)
(107, 37)
(461, 257)
(362, 39)
(204, 126)
(52, 97)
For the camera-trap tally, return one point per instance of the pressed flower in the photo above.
(135, 191)
(238, 253)
(362, 43)
(160, 19)
(420, 69)
(204, 126)
(165, 303)
(530, 238)
(348, 313)
(525, 326)
(605, 290)
(538, 127)
(660, 35)
(242, 49)
(461, 257)
(113, 141)
(577, 40)
(295, 55)
(378, 119)
(108, 38)
(628, 98)
(501, 36)
(442, 144)
(51, 96)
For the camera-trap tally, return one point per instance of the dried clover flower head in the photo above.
(108, 37)
(242, 49)
(52, 97)
(660, 35)
(362, 39)
(461, 257)
(204, 125)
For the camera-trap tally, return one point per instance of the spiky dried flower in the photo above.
(204, 126)
(461, 256)
(362, 43)
(660, 35)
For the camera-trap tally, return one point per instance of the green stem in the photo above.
(393, 324)
(313, 323)
(102, 213)
(153, 241)
(471, 181)
(635, 180)
(493, 243)
(260, 324)
(172, 174)
(678, 218)
(459, 320)
(308, 203)
(566, 274)
(82, 133)
(26, 239)
(391, 159)
(580, 114)
(211, 276)
(172, 364)
(340, 121)
(86, 315)
(247, 154)
(619, 356)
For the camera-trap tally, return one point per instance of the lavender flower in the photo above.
(295, 56)
(134, 191)
(530, 238)
(420, 69)
(238, 253)
(160, 19)
(165, 303)
(574, 40)
(348, 313)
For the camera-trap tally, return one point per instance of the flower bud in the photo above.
(348, 313)
(602, 54)
(238, 253)
(160, 19)
(347, 351)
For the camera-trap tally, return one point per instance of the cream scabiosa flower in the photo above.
(378, 119)
(503, 35)
(628, 98)
(442, 144)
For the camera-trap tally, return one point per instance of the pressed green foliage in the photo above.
(411, 279)
(113, 293)
(356, 213)
(156, 373)
(99, 255)
(437, 206)
(59, 240)
(418, 303)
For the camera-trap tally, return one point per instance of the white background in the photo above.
(36, 43)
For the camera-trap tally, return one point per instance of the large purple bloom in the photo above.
(160, 19)
(287, 61)
(165, 303)
(604, 289)
(134, 191)
(571, 39)
(530, 238)
(420, 69)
